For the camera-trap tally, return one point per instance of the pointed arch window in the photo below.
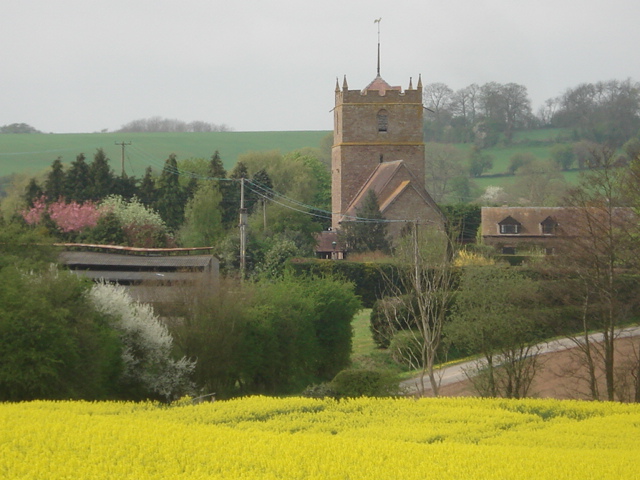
(383, 121)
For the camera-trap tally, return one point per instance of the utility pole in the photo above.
(243, 232)
(123, 144)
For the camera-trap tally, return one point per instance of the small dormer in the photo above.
(549, 226)
(509, 226)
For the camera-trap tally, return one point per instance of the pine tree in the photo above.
(101, 176)
(32, 192)
(369, 232)
(54, 185)
(147, 191)
(216, 167)
(78, 181)
(170, 195)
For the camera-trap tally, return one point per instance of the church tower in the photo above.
(372, 126)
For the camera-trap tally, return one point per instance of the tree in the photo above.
(101, 176)
(203, 217)
(18, 128)
(563, 155)
(443, 163)
(479, 162)
(262, 182)
(367, 232)
(32, 192)
(147, 191)
(78, 181)
(216, 167)
(495, 315)
(603, 112)
(518, 160)
(538, 183)
(600, 243)
(422, 289)
(54, 185)
(170, 195)
(53, 344)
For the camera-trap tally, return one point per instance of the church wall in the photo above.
(410, 206)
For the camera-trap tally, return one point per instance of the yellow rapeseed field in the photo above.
(301, 438)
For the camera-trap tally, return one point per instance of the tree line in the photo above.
(604, 112)
(192, 202)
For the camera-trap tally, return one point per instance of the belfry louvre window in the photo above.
(383, 121)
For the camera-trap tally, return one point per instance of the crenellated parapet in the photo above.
(379, 91)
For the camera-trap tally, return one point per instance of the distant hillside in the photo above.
(35, 152)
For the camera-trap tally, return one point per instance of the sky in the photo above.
(72, 66)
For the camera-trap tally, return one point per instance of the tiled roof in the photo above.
(380, 85)
(324, 242)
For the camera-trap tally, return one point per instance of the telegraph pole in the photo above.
(123, 144)
(243, 232)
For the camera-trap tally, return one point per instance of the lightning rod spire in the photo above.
(378, 22)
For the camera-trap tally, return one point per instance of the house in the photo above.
(514, 229)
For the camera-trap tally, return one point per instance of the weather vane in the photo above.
(378, 22)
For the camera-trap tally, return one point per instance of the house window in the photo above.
(509, 228)
(548, 226)
(508, 250)
(383, 121)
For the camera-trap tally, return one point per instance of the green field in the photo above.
(35, 152)
(32, 153)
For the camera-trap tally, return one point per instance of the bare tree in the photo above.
(422, 291)
(599, 246)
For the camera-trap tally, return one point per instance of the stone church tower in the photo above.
(378, 124)
(378, 145)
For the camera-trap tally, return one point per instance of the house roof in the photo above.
(325, 242)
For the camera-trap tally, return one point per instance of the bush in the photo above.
(149, 368)
(321, 390)
(361, 382)
(382, 328)
(405, 348)
(52, 344)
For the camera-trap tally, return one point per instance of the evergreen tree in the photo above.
(147, 191)
(216, 167)
(125, 186)
(78, 180)
(102, 178)
(369, 232)
(32, 192)
(54, 185)
(171, 196)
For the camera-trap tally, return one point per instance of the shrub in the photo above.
(361, 382)
(384, 328)
(147, 345)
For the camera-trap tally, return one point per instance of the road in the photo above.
(456, 373)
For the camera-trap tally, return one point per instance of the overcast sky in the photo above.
(256, 65)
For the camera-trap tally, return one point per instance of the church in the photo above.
(378, 146)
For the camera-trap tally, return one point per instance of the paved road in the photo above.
(455, 373)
